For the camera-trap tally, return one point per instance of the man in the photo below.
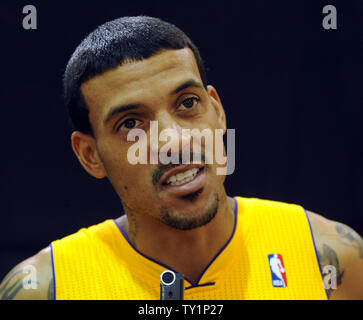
(125, 74)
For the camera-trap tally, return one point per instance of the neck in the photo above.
(188, 252)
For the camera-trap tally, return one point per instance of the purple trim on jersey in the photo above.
(144, 255)
(193, 285)
(52, 258)
(229, 240)
(316, 252)
(201, 285)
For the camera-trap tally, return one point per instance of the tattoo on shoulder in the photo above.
(22, 280)
(8, 292)
(51, 290)
(350, 238)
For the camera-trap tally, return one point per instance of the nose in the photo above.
(167, 140)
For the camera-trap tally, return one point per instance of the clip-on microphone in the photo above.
(171, 285)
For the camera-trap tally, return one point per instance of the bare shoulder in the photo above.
(340, 251)
(32, 279)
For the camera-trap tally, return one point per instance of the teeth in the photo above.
(182, 177)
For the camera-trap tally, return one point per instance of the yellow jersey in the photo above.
(270, 255)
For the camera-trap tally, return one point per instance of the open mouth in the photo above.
(183, 177)
(183, 180)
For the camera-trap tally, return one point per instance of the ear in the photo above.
(84, 146)
(217, 104)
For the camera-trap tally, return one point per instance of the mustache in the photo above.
(162, 168)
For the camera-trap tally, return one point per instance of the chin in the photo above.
(196, 212)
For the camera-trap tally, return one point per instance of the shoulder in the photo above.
(32, 279)
(340, 251)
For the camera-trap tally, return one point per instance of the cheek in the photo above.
(138, 193)
(132, 183)
(129, 179)
(125, 177)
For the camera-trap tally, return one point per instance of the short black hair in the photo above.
(110, 45)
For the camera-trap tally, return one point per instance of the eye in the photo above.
(129, 124)
(188, 103)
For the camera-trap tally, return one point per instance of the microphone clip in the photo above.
(171, 285)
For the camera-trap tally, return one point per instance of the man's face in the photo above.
(166, 88)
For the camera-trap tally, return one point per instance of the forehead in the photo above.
(140, 81)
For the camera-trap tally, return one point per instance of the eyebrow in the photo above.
(119, 109)
(187, 84)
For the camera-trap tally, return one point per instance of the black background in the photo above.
(290, 88)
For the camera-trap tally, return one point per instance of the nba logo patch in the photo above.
(277, 269)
